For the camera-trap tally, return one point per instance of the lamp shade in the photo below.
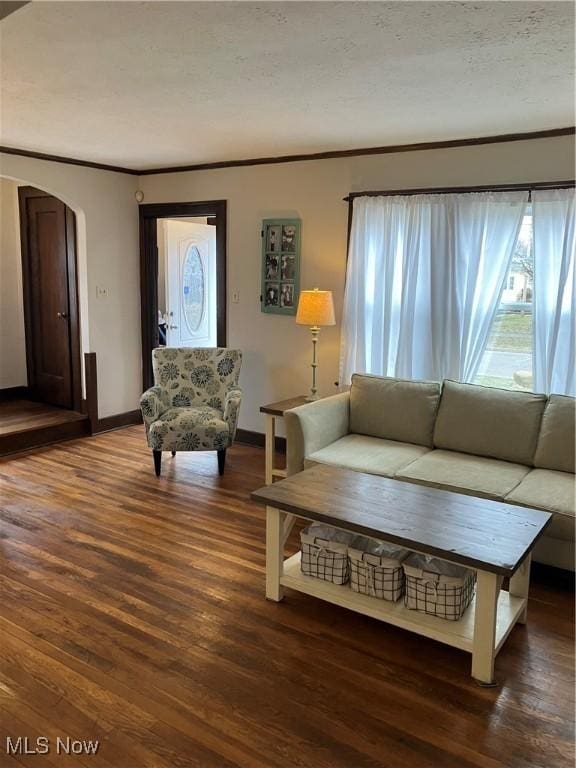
(315, 308)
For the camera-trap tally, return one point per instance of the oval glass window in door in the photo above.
(193, 289)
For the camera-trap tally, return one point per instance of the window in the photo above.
(193, 289)
(507, 360)
(474, 287)
(424, 278)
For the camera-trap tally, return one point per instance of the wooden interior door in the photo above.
(50, 298)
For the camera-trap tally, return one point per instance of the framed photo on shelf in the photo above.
(280, 266)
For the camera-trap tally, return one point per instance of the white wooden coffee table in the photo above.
(491, 537)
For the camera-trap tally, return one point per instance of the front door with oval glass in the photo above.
(190, 281)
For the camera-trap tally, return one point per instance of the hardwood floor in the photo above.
(132, 612)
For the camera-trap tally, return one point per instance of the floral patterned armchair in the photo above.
(195, 402)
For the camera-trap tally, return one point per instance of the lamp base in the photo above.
(312, 398)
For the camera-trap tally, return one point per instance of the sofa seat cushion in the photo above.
(554, 492)
(394, 409)
(486, 421)
(367, 454)
(557, 435)
(459, 472)
(198, 428)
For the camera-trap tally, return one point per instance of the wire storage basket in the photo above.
(437, 587)
(376, 568)
(324, 553)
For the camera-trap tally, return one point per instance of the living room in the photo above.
(144, 595)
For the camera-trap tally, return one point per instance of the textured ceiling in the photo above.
(143, 84)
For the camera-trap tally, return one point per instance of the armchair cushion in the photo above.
(198, 428)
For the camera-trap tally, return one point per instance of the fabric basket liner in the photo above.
(382, 554)
(435, 570)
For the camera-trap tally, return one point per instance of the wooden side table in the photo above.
(271, 413)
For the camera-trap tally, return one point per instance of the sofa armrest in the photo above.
(313, 426)
(231, 410)
(152, 405)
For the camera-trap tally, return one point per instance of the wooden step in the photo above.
(75, 425)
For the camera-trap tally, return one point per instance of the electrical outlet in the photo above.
(101, 292)
(236, 297)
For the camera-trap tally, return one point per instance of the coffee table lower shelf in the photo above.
(459, 634)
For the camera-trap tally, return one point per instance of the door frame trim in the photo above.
(149, 215)
(24, 194)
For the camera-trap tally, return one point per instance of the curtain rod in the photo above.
(447, 190)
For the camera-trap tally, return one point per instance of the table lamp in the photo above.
(315, 308)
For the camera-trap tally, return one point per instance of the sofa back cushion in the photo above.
(394, 409)
(486, 421)
(557, 435)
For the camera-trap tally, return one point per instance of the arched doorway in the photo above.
(51, 307)
(41, 313)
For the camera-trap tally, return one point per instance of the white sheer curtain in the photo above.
(424, 280)
(554, 362)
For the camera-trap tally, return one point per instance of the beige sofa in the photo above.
(516, 447)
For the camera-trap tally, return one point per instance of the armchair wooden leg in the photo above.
(221, 461)
(157, 462)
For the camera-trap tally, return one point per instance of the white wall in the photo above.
(108, 256)
(276, 350)
(12, 338)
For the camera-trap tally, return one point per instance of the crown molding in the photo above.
(360, 152)
(385, 150)
(7, 7)
(67, 160)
